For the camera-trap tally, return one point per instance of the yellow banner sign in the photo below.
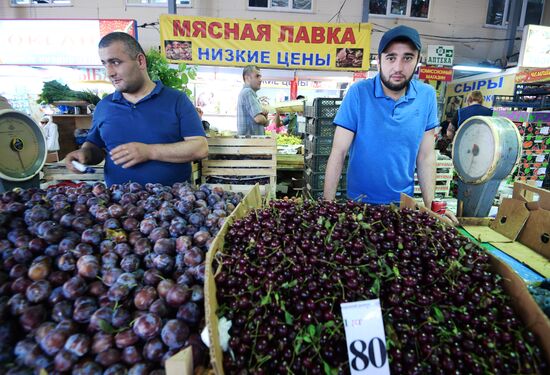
(273, 44)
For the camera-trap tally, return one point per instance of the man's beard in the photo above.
(394, 86)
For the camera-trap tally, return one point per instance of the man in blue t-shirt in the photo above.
(146, 132)
(387, 124)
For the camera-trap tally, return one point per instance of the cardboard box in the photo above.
(527, 309)
(521, 228)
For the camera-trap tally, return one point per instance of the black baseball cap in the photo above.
(400, 32)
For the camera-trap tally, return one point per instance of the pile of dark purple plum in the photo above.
(286, 269)
(97, 280)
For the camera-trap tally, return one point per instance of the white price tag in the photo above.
(365, 337)
(545, 130)
(540, 158)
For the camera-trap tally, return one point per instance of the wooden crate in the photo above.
(59, 172)
(253, 158)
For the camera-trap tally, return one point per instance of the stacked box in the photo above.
(443, 178)
(318, 144)
(237, 163)
(534, 128)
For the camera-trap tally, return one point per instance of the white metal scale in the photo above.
(22, 150)
(485, 151)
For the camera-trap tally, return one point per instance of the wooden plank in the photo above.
(224, 150)
(217, 141)
(241, 188)
(206, 171)
(239, 163)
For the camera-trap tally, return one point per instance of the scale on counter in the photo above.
(22, 151)
(485, 151)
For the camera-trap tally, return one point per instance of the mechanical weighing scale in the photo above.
(22, 151)
(485, 151)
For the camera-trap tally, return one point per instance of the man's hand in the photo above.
(77, 155)
(130, 154)
(451, 216)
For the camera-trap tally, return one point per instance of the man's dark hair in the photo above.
(132, 46)
(249, 69)
(300, 97)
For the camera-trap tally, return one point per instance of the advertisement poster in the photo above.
(49, 42)
(458, 91)
(273, 44)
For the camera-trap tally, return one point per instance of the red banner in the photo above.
(435, 74)
(533, 75)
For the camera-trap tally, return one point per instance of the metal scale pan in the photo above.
(485, 151)
(22, 150)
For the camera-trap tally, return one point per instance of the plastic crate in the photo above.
(318, 163)
(323, 108)
(318, 145)
(322, 127)
(316, 180)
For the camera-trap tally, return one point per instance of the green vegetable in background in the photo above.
(285, 139)
(53, 91)
(159, 69)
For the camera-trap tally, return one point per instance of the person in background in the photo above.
(4, 104)
(445, 137)
(291, 120)
(474, 107)
(251, 116)
(49, 128)
(146, 132)
(205, 124)
(387, 123)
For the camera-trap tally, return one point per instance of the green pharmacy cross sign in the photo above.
(440, 55)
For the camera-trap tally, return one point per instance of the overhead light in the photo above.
(374, 62)
(483, 69)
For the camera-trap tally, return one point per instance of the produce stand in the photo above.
(529, 312)
(237, 163)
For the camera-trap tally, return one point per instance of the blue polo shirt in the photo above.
(388, 133)
(164, 116)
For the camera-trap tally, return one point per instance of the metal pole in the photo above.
(515, 13)
(366, 11)
(172, 7)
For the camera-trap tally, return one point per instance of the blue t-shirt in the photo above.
(388, 133)
(164, 116)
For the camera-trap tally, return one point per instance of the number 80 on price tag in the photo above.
(365, 337)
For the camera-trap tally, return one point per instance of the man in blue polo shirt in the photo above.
(146, 132)
(387, 124)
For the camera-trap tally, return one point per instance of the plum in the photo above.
(174, 333)
(38, 291)
(147, 326)
(78, 344)
(178, 295)
(126, 338)
(144, 297)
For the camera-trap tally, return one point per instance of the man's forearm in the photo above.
(180, 152)
(425, 168)
(93, 154)
(333, 172)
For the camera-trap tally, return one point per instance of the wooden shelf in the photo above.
(66, 125)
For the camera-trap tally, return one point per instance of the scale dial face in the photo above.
(22, 146)
(474, 153)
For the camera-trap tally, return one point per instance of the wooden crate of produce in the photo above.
(237, 163)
